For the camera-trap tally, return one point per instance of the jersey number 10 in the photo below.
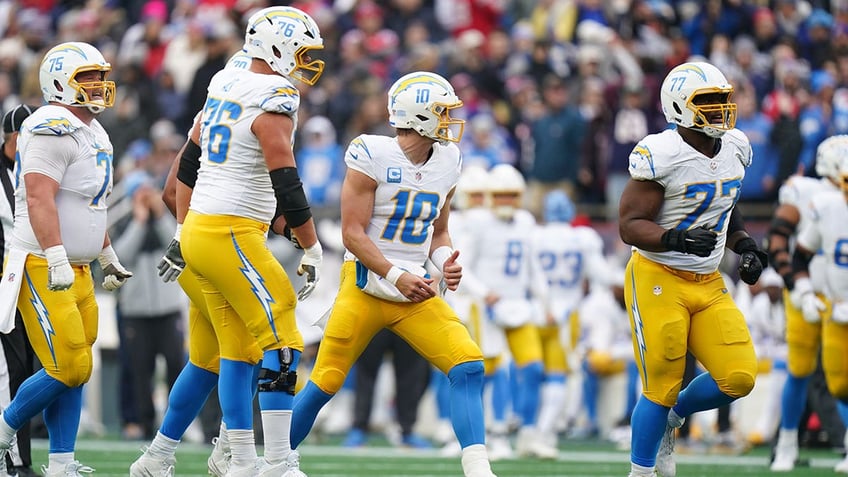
(408, 217)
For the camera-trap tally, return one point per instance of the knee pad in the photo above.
(737, 384)
(282, 380)
(78, 369)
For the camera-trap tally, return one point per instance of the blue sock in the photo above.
(441, 389)
(350, 380)
(632, 388)
(590, 395)
(530, 381)
(701, 394)
(62, 418)
(235, 391)
(514, 392)
(466, 381)
(276, 400)
(500, 394)
(793, 401)
(307, 404)
(647, 428)
(842, 408)
(188, 395)
(34, 395)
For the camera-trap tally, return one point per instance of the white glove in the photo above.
(310, 265)
(60, 275)
(115, 275)
(840, 313)
(804, 298)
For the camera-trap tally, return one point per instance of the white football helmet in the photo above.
(473, 180)
(58, 71)
(505, 180)
(422, 101)
(679, 98)
(284, 37)
(842, 169)
(829, 154)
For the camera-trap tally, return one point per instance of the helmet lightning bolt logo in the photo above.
(639, 330)
(257, 285)
(43, 317)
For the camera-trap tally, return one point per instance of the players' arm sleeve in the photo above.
(48, 155)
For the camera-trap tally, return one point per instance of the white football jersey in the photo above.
(605, 325)
(502, 256)
(233, 177)
(827, 230)
(408, 198)
(569, 256)
(767, 323)
(699, 190)
(59, 145)
(799, 191)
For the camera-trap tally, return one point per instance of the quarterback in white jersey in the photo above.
(679, 213)
(63, 176)
(803, 299)
(395, 212)
(246, 167)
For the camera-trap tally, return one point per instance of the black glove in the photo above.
(752, 260)
(172, 264)
(700, 241)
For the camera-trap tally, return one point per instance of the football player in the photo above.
(246, 163)
(569, 256)
(678, 212)
(804, 300)
(63, 173)
(827, 231)
(500, 254)
(395, 206)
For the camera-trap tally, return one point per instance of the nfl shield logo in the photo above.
(657, 290)
(417, 175)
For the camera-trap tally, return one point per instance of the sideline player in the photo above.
(63, 175)
(827, 230)
(805, 333)
(395, 207)
(678, 212)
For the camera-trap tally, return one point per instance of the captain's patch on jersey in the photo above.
(393, 175)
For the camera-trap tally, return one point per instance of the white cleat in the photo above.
(499, 448)
(451, 449)
(785, 455)
(531, 443)
(666, 467)
(148, 466)
(219, 461)
(842, 466)
(259, 467)
(293, 465)
(3, 471)
(71, 469)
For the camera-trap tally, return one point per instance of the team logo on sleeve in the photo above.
(393, 175)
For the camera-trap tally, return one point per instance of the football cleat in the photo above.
(259, 467)
(293, 465)
(785, 452)
(219, 461)
(149, 466)
(530, 443)
(71, 469)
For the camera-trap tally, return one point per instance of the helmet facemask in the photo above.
(306, 68)
(85, 90)
(713, 118)
(449, 129)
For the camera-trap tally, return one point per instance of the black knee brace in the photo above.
(283, 380)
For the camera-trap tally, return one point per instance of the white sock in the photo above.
(162, 446)
(59, 460)
(475, 460)
(242, 447)
(223, 440)
(6, 433)
(276, 426)
(788, 438)
(674, 420)
(552, 405)
(638, 470)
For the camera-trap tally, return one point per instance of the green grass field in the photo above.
(112, 458)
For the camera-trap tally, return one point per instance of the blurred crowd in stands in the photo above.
(560, 88)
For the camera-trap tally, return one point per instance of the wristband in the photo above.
(177, 232)
(393, 275)
(440, 256)
(55, 254)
